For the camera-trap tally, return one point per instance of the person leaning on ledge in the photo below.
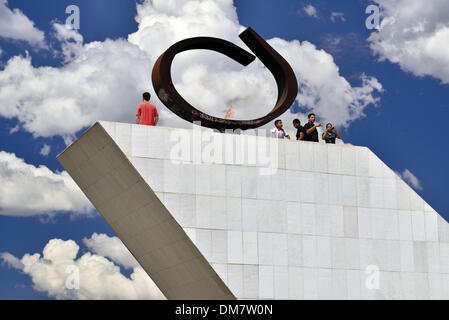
(146, 113)
(311, 133)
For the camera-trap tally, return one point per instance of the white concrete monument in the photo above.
(228, 216)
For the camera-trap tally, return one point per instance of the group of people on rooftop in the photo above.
(147, 114)
(308, 132)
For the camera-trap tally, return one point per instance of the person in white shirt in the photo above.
(278, 132)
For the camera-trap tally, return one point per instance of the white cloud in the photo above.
(322, 88)
(45, 150)
(26, 190)
(111, 247)
(102, 83)
(338, 16)
(72, 41)
(99, 278)
(415, 35)
(311, 11)
(15, 25)
(411, 179)
(10, 260)
(104, 80)
(15, 129)
(64, 32)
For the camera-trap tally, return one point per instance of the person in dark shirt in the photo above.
(311, 133)
(330, 134)
(300, 129)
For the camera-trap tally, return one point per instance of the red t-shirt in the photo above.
(147, 111)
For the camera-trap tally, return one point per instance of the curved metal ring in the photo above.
(278, 66)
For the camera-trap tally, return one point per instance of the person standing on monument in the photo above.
(146, 113)
(278, 132)
(330, 134)
(299, 129)
(311, 133)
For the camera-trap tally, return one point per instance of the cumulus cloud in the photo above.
(415, 35)
(104, 80)
(10, 261)
(111, 247)
(60, 274)
(322, 88)
(14, 24)
(45, 150)
(26, 190)
(311, 11)
(338, 16)
(102, 83)
(411, 179)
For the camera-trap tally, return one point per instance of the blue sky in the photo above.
(406, 128)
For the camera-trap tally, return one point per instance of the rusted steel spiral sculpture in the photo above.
(278, 66)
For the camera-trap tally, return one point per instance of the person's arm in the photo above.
(288, 137)
(138, 113)
(301, 135)
(338, 135)
(309, 131)
(324, 134)
(155, 117)
(228, 114)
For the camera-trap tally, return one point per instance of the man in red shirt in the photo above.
(146, 113)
